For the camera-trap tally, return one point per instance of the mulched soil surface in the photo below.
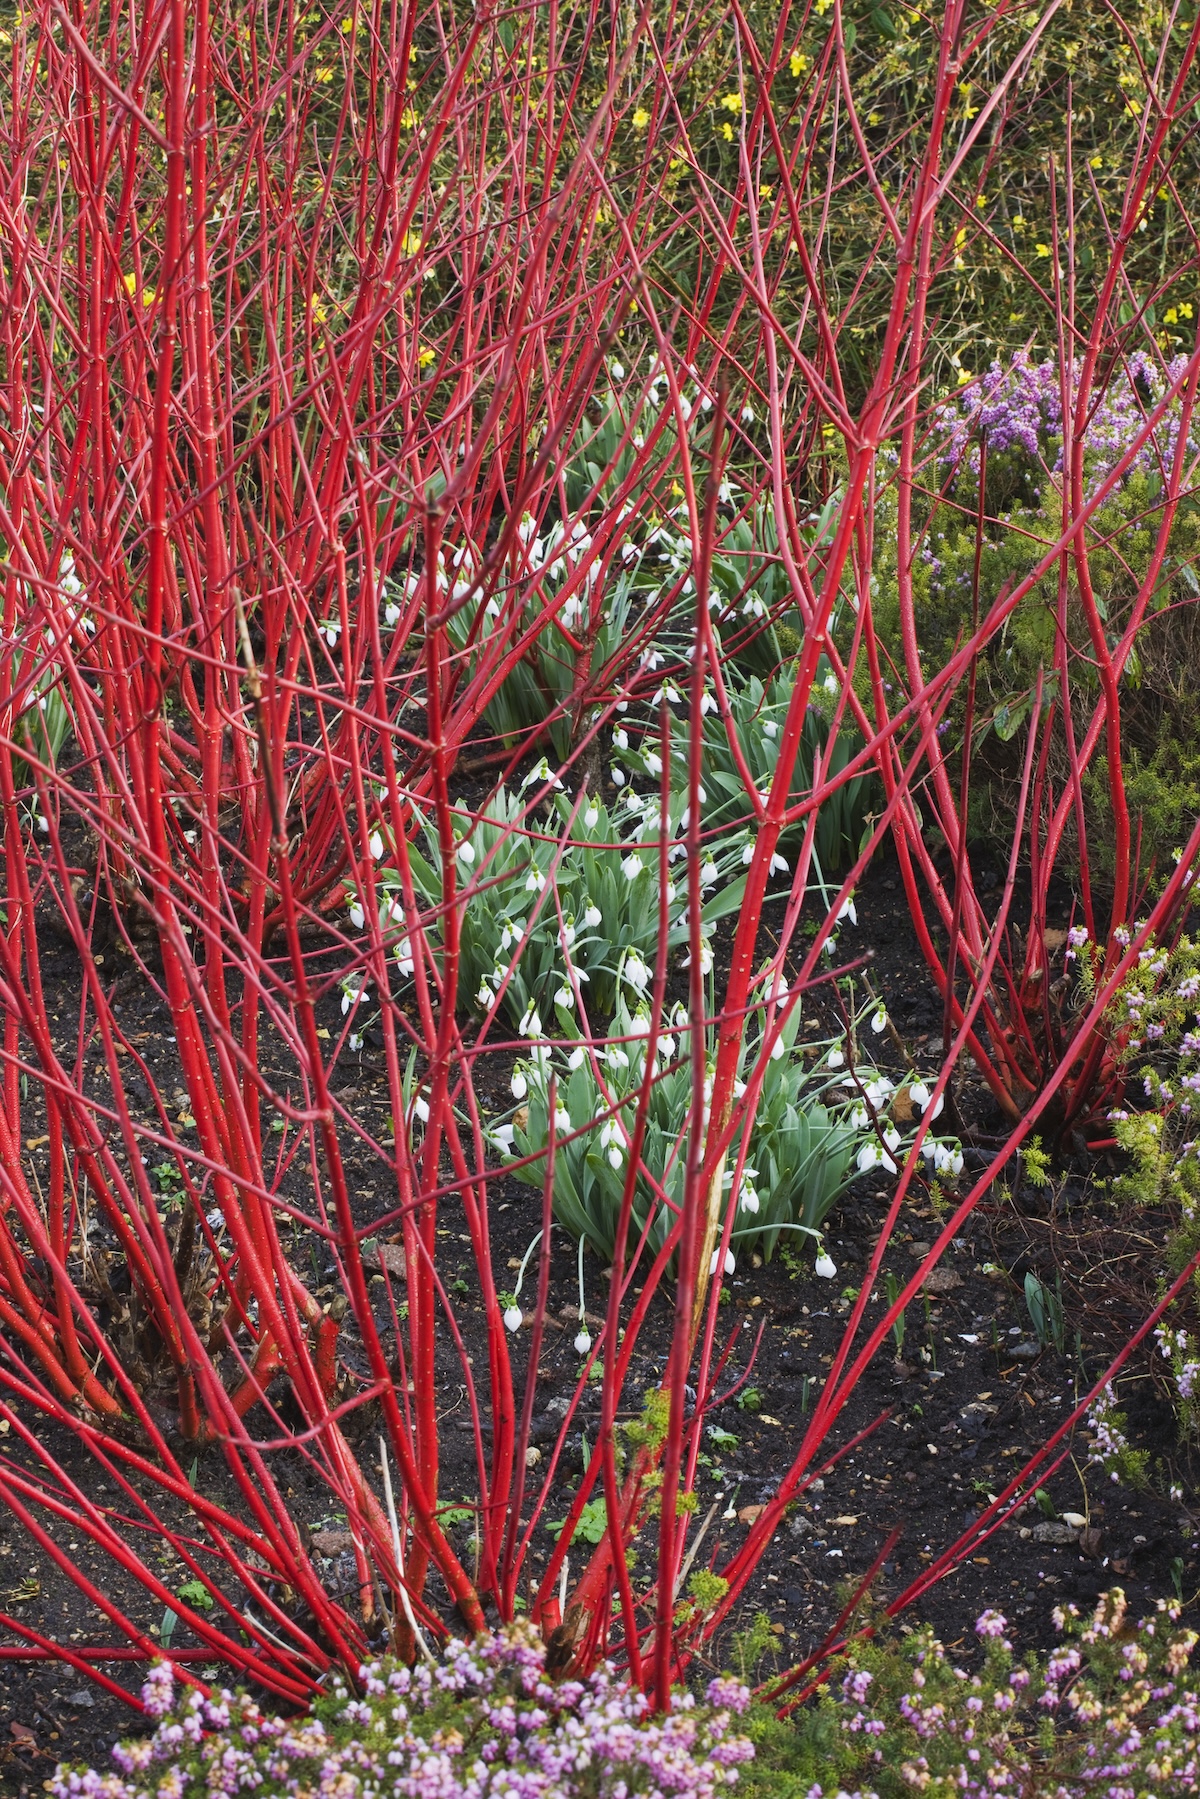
(969, 1395)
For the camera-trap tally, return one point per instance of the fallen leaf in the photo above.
(942, 1280)
(750, 1514)
(22, 1734)
(1091, 1541)
(766, 1418)
(902, 1106)
(848, 1519)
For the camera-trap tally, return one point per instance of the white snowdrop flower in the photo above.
(583, 1343)
(565, 998)
(592, 917)
(779, 865)
(829, 945)
(506, 936)
(671, 893)
(835, 1058)
(653, 762)
(404, 956)
(858, 1119)
(616, 1156)
(466, 851)
(358, 917)
(331, 633)
(830, 684)
(939, 1105)
(891, 1136)
(879, 1021)
(535, 881)
(918, 1092)
(615, 1057)
(502, 1136)
(770, 728)
(708, 873)
(956, 1162)
(708, 703)
(747, 415)
(867, 1157)
(847, 910)
(631, 867)
(576, 1058)
(669, 693)
(706, 957)
(591, 817)
(747, 855)
(621, 739)
(485, 997)
(825, 1266)
(566, 935)
(617, 371)
(571, 613)
(618, 777)
(531, 1024)
(765, 796)
(730, 1264)
(391, 614)
(778, 1049)
(527, 527)
(512, 1318)
(375, 845)
(354, 1040)
(636, 972)
(879, 1091)
(518, 1086)
(650, 659)
(562, 1119)
(421, 1109)
(753, 607)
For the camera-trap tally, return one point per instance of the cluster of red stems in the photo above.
(289, 304)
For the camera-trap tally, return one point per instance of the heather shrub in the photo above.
(486, 1719)
(1112, 1710)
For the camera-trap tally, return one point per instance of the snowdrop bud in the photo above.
(592, 917)
(591, 817)
(583, 1343)
(617, 775)
(631, 867)
(615, 1156)
(825, 1266)
(357, 917)
(355, 1041)
(518, 1085)
(466, 851)
(835, 1058)
(748, 855)
(879, 1021)
(375, 845)
(918, 1092)
(621, 739)
(512, 1318)
(778, 1049)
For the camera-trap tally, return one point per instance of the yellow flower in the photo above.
(981, 199)
(727, 133)
(765, 190)
(798, 62)
(873, 118)
(325, 74)
(1042, 249)
(1185, 309)
(318, 313)
(823, 7)
(960, 237)
(148, 294)
(425, 356)
(412, 243)
(1018, 222)
(732, 102)
(640, 119)
(964, 376)
(347, 24)
(1096, 161)
(1171, 316)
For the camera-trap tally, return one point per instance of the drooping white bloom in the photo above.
(576, 1058)
(825, 1266)
(519, 1086)
(466, 851)
(535, 881)
(375, 845)
(636, 972)
(653, 762)
(583, 1342)
(512, 1318)
(618, 777)
(631, 867)
(592, 917)
(779, 865)
(621, 738)
(879, 1021)
(847, 910)
(565, 998)
(357, 916)
(730, 1264)
(591, 817)
(835, 1058)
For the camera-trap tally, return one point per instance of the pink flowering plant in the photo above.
(1112, 1710)
(486, 1719)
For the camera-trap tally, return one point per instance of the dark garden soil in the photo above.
(968, 1398)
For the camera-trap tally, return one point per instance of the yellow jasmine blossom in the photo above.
(1042, 249)
(1096, 162)
(425, 356)
(1171, 316)
(798, 62)
(732, 102)
(1185, 309)
(412, 243)
(641, 119)
(1018, 222)
(981, 199)
(148, 294)
(964, 375)
(727, 133)
(347, 24)
(765, 190)
(873, 118)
